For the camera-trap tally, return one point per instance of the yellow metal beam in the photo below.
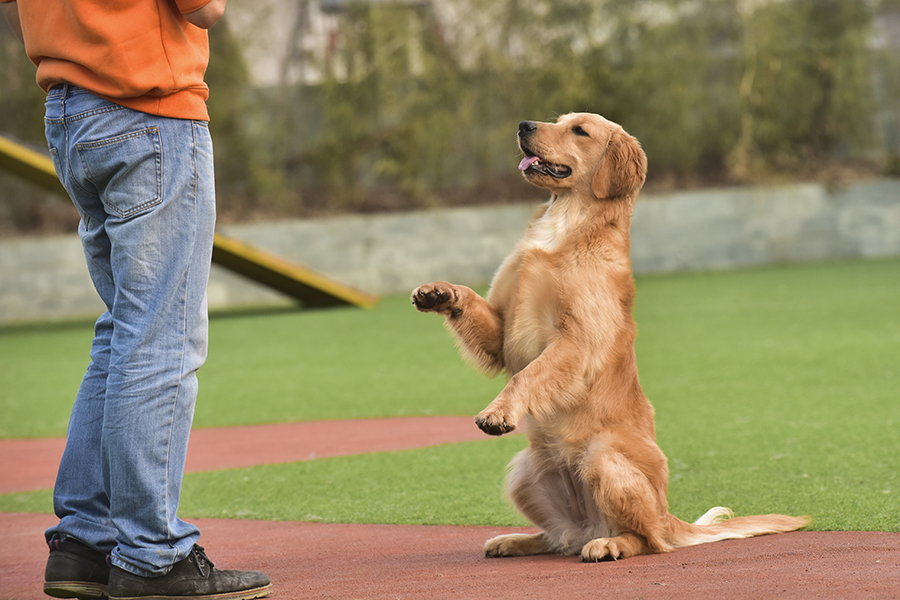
(29, 165)
(311, 288)
(307, 286)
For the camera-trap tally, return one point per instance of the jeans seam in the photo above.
(83, 115)
(69, 174)
(118, 138)
(184, 318)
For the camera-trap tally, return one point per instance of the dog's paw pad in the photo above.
(430, 297)
(492, 426)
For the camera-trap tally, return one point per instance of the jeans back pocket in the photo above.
(126, 171)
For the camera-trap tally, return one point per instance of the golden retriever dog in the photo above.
(558, 321)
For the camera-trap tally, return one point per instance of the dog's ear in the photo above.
(622, 169)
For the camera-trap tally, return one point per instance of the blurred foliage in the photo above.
(816, 53)
(22, 207)
(413, 103)
(716, 90)
(245, 170)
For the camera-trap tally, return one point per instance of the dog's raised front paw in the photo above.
(434, 297)
(494, 422)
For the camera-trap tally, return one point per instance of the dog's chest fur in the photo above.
(536, 306)
(548, 232)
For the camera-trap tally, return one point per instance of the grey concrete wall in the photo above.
(45, 278)
(742, 227)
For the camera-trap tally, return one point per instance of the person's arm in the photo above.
(207, 16)
(11, 12)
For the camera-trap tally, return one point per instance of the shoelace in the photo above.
(201, 557)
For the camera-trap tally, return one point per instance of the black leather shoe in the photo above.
(194, 577)
(75, 571)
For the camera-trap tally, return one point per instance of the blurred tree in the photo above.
(246, 175)
(886, 66)
(24, 208)
(396, 104)
(807, 83)
(21, 100)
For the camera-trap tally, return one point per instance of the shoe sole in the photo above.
(75, 589)
(260, 592)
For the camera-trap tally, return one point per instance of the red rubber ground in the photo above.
(316, 560)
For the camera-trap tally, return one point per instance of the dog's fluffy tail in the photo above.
(720, 524)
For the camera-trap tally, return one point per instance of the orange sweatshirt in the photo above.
(142, 54)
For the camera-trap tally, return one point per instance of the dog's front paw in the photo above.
(495, 422)
(435, 297)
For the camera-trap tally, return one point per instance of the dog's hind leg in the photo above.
(630, 491)
(621, 546)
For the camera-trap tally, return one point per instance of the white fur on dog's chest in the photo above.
(554, 226)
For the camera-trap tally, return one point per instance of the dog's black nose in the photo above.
(527, 127)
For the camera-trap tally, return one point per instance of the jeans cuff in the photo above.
(118, 562)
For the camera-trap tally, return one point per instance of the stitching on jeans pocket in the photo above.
(126, 170)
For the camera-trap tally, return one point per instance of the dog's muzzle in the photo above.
(533, 164)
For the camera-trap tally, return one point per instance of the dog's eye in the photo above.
(577, 130)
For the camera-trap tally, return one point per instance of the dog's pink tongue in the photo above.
(527, 162)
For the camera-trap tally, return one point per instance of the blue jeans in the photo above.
(144, 188)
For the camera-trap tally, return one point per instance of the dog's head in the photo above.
(582, 151)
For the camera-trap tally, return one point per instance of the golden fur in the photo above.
(558, 321)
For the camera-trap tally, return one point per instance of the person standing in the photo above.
(126, 124)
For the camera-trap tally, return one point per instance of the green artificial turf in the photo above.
(40, 369)
(775, 391)
(455, 484)
(266, 367)
(452, 484)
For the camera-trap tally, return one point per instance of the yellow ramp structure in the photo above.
(29, 165)
(313, 289)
